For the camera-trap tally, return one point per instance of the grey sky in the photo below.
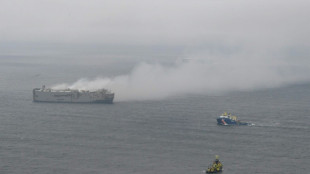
(264, 42)
(277, 22)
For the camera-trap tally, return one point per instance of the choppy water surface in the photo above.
(175, 135)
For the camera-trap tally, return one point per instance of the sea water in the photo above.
(169, 136)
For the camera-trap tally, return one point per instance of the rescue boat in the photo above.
(212, 170)
(216, 167)
(230, 120)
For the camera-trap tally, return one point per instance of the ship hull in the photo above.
(230, 122)
(72, 96)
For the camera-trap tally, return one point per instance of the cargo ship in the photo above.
(72, 96)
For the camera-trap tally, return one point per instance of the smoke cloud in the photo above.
(230, 45)
(198, 76)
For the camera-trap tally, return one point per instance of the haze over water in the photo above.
(174, 67)
(173, 135)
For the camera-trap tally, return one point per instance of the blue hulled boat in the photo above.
(229, 120)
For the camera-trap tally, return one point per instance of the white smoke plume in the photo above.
(205, 76)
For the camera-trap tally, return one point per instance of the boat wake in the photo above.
(275, 124)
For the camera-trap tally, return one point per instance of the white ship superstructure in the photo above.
(72, 96)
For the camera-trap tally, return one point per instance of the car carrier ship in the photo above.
(72, 96)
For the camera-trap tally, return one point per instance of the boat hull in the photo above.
(230, 122)
(215, 171)
(72, 96)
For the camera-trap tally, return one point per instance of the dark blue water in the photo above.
(171, 136)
